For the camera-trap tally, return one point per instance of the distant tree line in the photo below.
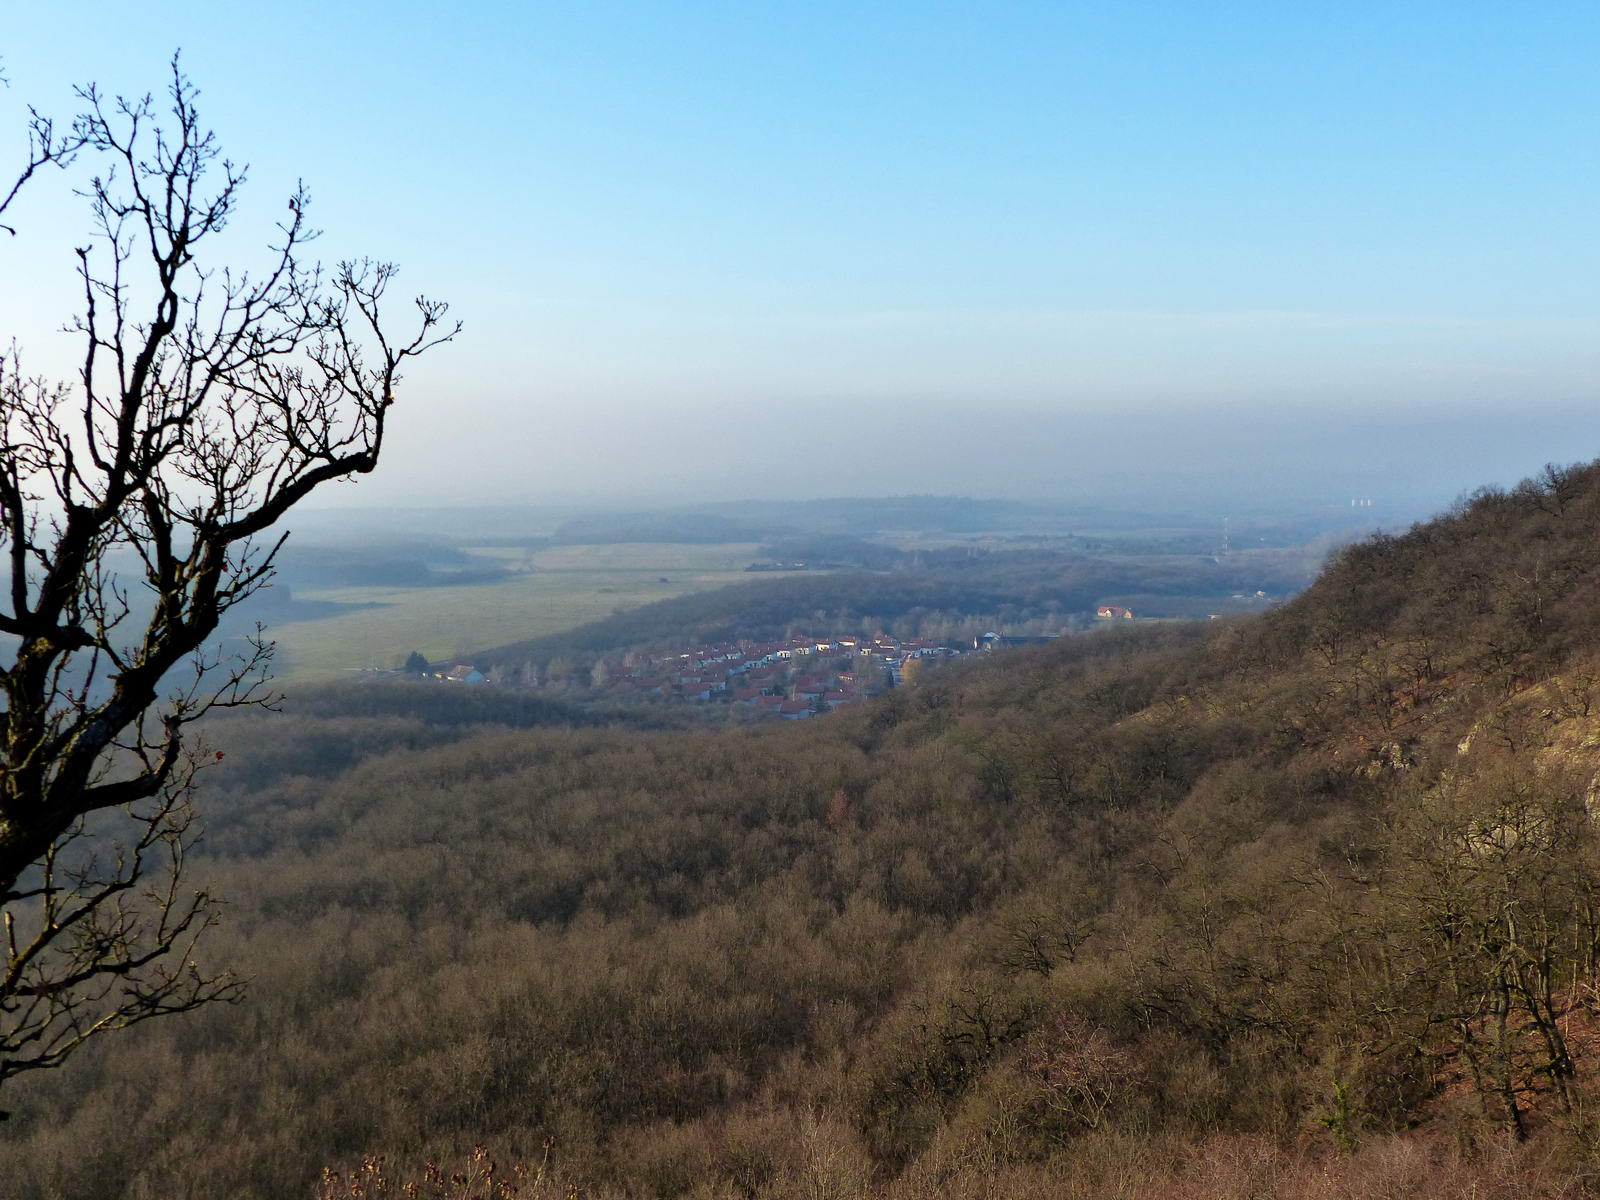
(404, 563)
(608, 528)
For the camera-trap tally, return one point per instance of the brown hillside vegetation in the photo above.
(1301, 905)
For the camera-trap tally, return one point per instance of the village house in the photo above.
(999, 641)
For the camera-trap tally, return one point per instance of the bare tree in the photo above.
(140, 502)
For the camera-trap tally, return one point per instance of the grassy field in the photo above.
(552, 590)
(649, 556)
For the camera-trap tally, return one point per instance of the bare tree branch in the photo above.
(138, 506)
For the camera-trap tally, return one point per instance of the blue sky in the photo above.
(676, 226)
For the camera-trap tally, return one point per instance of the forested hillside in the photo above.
(1301, 904)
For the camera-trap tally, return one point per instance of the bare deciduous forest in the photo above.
(1301, 904)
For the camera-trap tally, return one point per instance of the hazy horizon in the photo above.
(1260, 458)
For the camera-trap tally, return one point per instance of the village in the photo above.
(793, 678)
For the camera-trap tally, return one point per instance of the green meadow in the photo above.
(548, 591)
